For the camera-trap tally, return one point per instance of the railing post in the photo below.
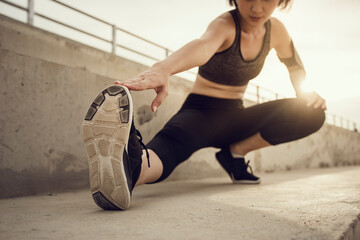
(166, 52)
(30, 15)
(258, 94)
(276, 96)
(341, 122)
(113, 50)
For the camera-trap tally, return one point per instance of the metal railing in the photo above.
(254, 93)
(31, 13)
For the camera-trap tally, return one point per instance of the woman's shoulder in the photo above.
(279, 33)
(225, 20)
(277, 26)
(223, 24)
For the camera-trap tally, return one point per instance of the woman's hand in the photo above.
(313, 100)
(154, 78)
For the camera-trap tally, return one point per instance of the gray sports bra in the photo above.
(228, 67)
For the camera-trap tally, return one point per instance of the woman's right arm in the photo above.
(195, 53)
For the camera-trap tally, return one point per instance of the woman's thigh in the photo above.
(277, 121)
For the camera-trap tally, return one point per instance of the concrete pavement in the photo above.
(311, 204)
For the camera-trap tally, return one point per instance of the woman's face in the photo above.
(256, 12)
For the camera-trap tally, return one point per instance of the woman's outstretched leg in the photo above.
(152, 173)
(115, 150)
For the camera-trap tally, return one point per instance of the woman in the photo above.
(229, 54)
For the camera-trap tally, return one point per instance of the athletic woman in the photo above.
(229, 54)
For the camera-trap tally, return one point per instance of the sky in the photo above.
(326, 34)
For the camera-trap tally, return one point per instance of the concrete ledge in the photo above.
(353, 231)
(312, 204)
(44, 103)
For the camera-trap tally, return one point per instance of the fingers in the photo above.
(322, 104)
(318, 103)
(153, 78)
(136, 85)
(160, 97)
(315, 101)
(129, 81)
(142, 82)
(311, 101)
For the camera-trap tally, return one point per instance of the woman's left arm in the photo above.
(288, 55)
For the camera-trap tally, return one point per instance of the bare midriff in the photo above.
(205, 87)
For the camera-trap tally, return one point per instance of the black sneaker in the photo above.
(236, 168)
(113, 148)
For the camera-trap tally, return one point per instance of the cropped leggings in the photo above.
(206, 121)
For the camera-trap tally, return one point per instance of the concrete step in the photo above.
(311, 204)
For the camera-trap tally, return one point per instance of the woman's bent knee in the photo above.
(317, 119)
(311, 118)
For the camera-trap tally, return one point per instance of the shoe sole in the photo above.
(244, 181)
(106, 130)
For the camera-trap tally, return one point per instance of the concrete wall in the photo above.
(46, 85)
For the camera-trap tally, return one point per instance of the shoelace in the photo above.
(248, 166)
(143, 145)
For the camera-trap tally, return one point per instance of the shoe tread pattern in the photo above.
(105, 131)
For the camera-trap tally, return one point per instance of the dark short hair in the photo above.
(282, 3)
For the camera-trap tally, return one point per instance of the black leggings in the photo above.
(205, 121)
